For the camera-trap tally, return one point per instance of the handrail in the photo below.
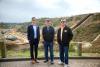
(81, 21)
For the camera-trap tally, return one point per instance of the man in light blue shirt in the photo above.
(33, 34)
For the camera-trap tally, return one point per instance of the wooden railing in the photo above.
(4, 52)
(79, 47)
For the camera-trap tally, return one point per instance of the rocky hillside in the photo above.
(95, 48)
(96, 44)
(89, 30)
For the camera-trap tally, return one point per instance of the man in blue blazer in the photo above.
(33, 34)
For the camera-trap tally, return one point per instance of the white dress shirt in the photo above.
(35, 31)
(61, 33)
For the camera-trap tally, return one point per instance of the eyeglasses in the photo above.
(47, 21)
(62, 21)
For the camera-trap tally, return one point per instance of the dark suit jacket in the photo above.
(48, 35)
(66, 36)
(30, 33)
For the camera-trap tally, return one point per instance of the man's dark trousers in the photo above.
(34, 49)
(63, 53)
(48, 46)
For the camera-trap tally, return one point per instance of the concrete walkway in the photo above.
(72, 63)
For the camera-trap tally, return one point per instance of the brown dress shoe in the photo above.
(33, 62)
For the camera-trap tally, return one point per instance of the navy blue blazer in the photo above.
(30, 33)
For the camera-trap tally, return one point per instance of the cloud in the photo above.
(23, 10)
(47, 3)
(83, 6)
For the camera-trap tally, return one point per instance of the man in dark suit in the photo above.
(48, 37)
(33, 34)
(64, 36)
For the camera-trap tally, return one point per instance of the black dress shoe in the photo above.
(52, 62)
(45, 61)
(37, 61)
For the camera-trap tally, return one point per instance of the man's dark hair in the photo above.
(33, 18)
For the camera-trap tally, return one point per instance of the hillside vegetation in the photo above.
(87, 31)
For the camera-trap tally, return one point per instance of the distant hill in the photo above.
(86, 32)
(22, 26)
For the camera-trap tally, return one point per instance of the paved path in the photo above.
(72, 63)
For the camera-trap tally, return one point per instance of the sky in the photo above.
(23, 10)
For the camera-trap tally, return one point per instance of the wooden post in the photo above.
(79, 50)
(3, 50)
(3, 47)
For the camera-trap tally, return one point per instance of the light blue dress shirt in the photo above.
(35, 31)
